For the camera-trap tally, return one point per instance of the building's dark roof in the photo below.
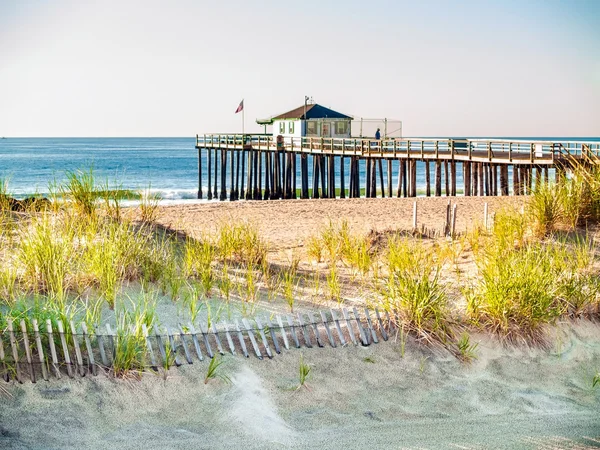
(314, 111)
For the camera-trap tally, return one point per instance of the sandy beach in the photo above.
(286, 224)
(382, 396)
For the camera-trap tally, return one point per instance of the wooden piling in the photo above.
(199, 171)
(428, 179)
(208, 173)
(438, 178)
(215, 194)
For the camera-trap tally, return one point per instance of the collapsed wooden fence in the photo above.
(29, 349)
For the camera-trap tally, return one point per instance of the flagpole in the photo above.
(243, 120)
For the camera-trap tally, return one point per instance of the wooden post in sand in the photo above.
(453, 227)
(485, 216)
(448, 218)
(414, 216)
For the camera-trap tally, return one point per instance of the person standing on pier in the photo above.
(377, 134)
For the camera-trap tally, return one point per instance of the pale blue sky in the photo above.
(177, 68)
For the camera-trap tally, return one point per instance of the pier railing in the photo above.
(478, 150)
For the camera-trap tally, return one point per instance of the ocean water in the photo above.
(166, 166)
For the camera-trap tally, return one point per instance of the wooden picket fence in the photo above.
(29, 349)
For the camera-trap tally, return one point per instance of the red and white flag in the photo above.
(240, 107)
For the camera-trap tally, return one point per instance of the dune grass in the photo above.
(412, 291)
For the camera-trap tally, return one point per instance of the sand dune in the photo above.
(373, 397)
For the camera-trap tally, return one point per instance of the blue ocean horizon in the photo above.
(168, 167)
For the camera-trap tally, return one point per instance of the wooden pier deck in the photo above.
(258, 166)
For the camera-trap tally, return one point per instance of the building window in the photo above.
(341, 128)
(325, 129)
(291, 127)
(312, 128)
(282, 127)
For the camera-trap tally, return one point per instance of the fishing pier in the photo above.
(263, 166)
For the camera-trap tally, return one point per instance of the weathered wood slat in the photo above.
(252, 338)
(336, 320)
(40, 349)
(27, 350)
(263, 337)
(5, 376)
(196, 342)
(111, 341)
(363, 334)
(153, 365)
(15, 350)
(364, 329)
(173, 346)
(370, 325)
(228, 337)
(52, 348)
(186, 351)
(290, 320)
(100, 339)
(78, 357)
(389, 321)
(307, 341)
(349, 326)
(283, 332)
(241, 339)
(89, 349)
(384, 334)
(161, 347)
(63, 341)
(217, 338)
(327, 329)
(204, 332)
(313, 322)
(273, 335)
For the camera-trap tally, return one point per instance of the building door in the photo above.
(326, 129)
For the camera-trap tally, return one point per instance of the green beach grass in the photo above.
(84, 260)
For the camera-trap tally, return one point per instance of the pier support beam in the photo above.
(453, 174)
(389, 178)
(304, 176)
(428, 179)
(208, 173)
(223, 195)
(467, 178)
(438, 179)
(199, 172)
(446, 180)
